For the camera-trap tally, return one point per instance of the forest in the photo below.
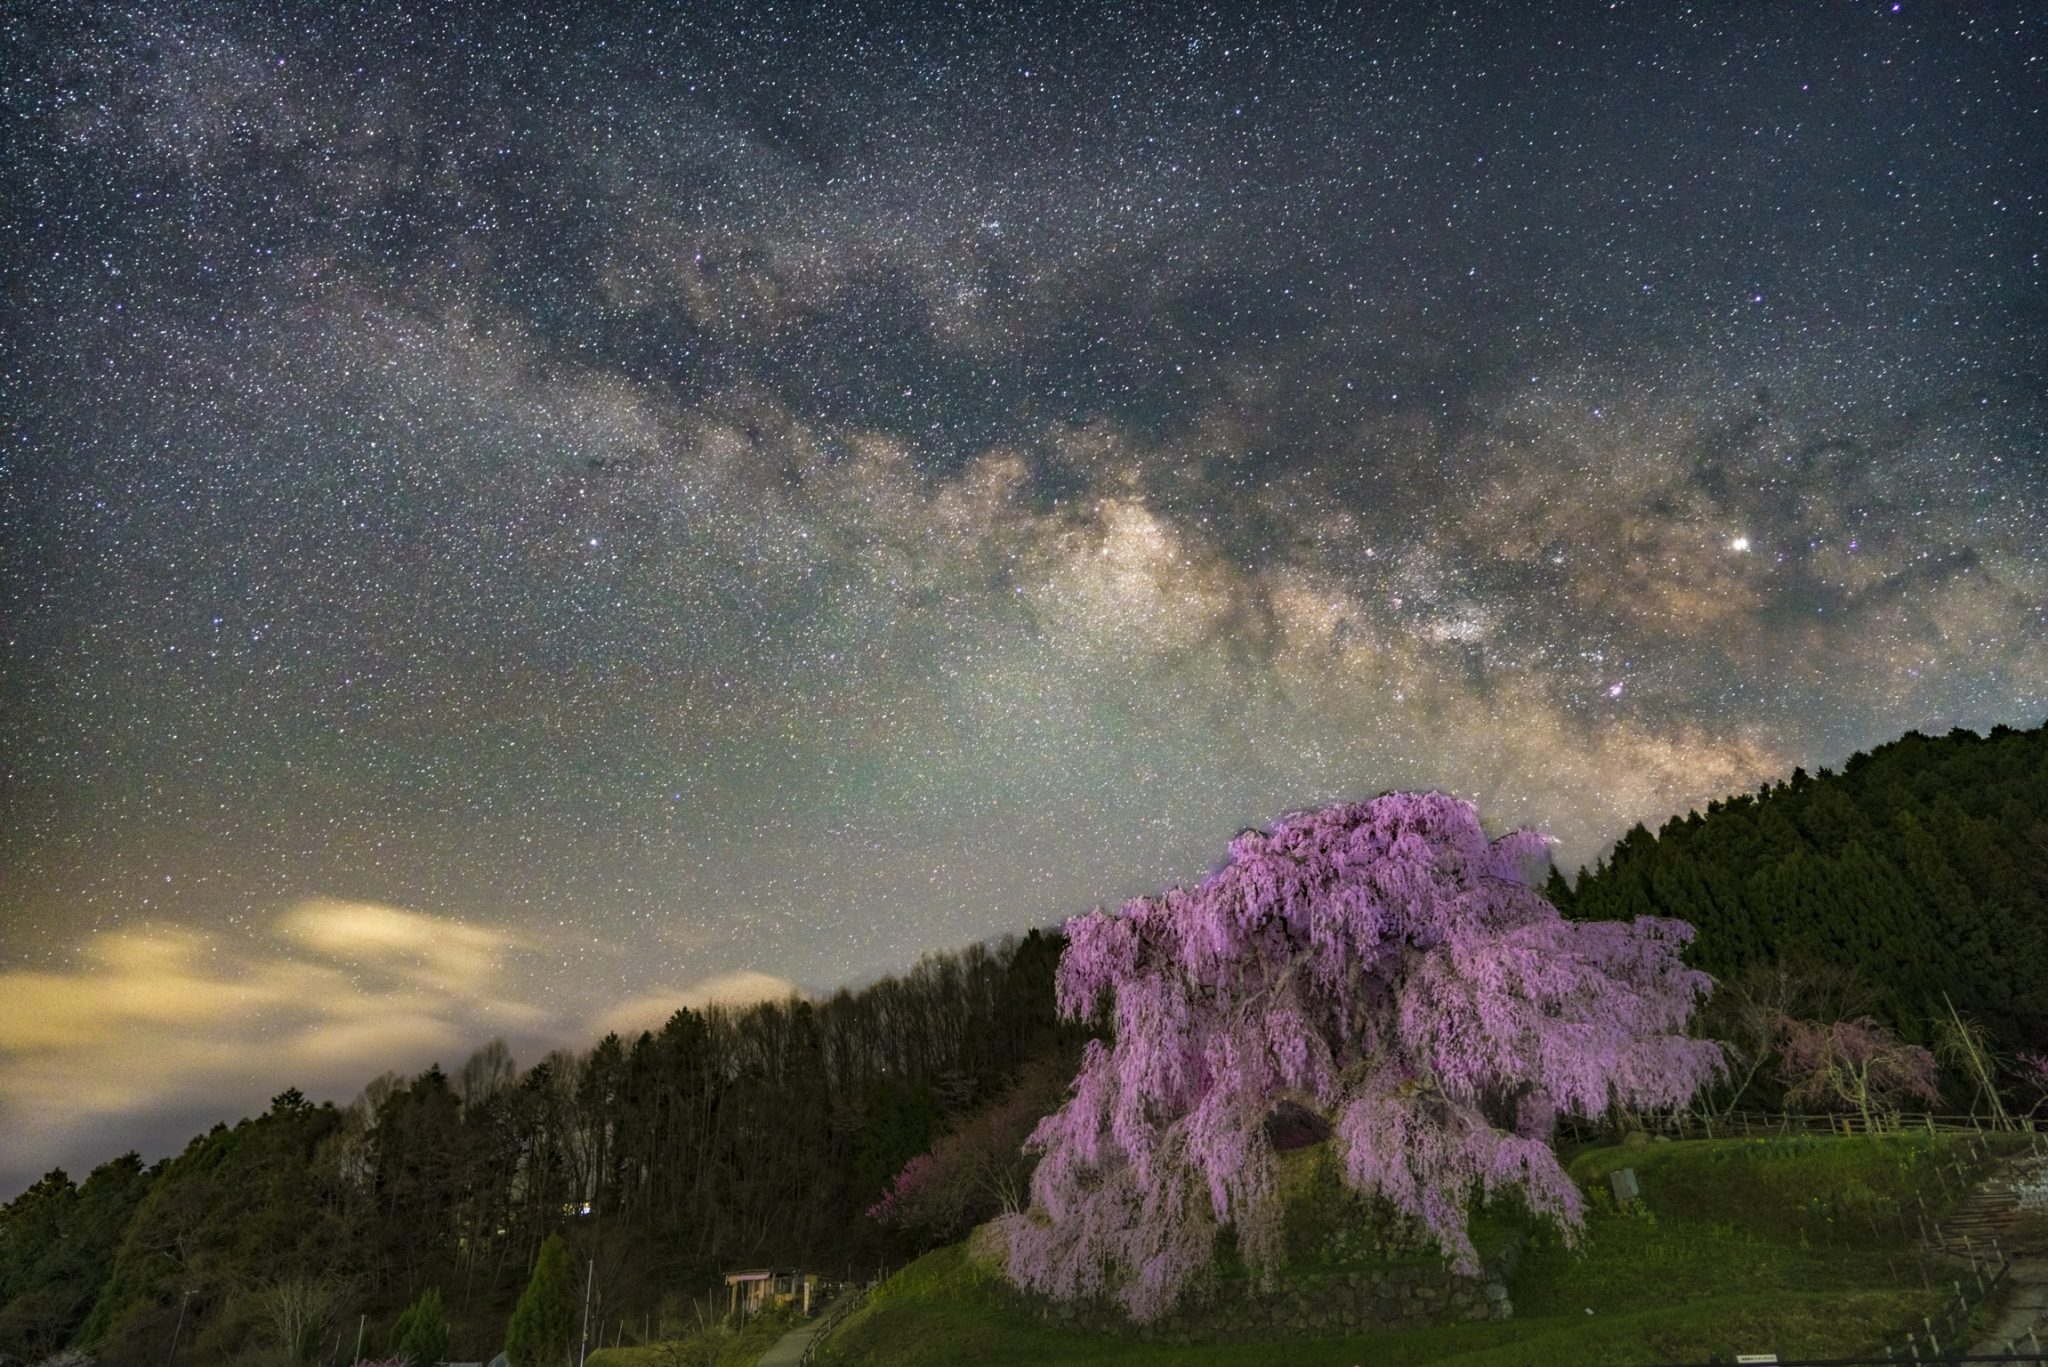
(1921, 869)
(1911, 887)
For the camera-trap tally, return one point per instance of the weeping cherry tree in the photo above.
(1381, 964)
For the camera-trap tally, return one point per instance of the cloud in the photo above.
(431, 952)
(650, 1010)
(156, 1015)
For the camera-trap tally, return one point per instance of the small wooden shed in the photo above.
(753, 1291)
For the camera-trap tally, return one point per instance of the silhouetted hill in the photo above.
(1922, 867)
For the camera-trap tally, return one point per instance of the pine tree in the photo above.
(544, 1322)
(421, 1335)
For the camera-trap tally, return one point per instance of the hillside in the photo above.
(1922, 865)
(1735, 1246)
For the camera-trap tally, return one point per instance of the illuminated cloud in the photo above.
(429, 952)
(650, 1010)
(153, 1014)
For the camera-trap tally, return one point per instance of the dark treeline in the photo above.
(1922, 868)
(727, 1138)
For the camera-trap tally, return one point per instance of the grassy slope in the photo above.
(1737, 1246)
(711, 1349)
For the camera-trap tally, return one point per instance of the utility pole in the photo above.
(584, 1351)
(172, 1356)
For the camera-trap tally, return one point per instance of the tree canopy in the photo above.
(1382, 964)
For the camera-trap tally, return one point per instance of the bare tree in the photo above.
(1747, 1013)
(296, 1309)
(487, 1072)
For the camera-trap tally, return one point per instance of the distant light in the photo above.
(1740, 543)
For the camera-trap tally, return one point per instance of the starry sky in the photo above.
(512, 519)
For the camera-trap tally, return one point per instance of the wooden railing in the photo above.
(831, 1320)
(1762, 1124)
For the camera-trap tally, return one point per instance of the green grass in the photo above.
(714, 1347)
(1736, 1246)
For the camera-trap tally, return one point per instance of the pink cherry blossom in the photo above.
(1381, 964)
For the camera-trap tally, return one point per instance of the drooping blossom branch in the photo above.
(1381, 964)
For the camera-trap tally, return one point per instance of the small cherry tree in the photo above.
(980, 1168)
(2032, 1070)
(1855, 1063)
(1380, 964)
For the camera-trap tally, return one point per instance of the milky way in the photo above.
(516, 521)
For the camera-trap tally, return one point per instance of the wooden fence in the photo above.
(833, 1318)
(1744, 1124)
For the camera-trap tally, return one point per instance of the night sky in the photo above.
(510, 521)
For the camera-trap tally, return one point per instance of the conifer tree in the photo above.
(421, 1336)
(544, 1322)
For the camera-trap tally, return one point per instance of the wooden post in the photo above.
(583, 1350)
(172, 1356)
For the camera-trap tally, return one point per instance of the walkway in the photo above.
(789, 1349)
(1992, 1212)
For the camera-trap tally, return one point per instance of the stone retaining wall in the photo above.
(1324, 1305)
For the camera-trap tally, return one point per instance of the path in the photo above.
(1992, 1212)
(789, 1349)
